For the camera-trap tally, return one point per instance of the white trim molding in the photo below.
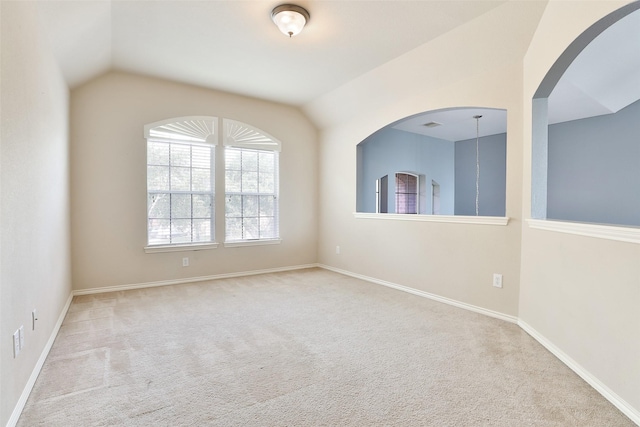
(188, 280)
(434, 297)
(257, 242)
(607, 393)
(456, 219)
(179, 248)
(17, 410)
(594, 382)
(609, 232)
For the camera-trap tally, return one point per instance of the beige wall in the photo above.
(108, 181)
(34, 195)
(582, 294)
(474, 65)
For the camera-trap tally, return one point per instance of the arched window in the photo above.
(180, 181)
(251, 183)
(406, 193)
(181, 196)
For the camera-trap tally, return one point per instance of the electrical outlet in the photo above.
(34, 317)
(21, 334)
(16, 343)
(185, 262)
(497, 280)
(338, 250)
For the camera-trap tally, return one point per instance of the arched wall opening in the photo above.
(585, 127)
(459, 161)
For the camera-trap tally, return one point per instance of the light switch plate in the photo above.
(16, 343)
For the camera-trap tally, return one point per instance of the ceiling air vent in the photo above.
(432, 124)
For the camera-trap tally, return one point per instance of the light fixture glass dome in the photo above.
(290, 18)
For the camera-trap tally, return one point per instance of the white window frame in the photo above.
(246, 138)
(382, 194)
(435, 198)
(190, 131)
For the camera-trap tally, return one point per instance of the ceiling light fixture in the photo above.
(290, 19)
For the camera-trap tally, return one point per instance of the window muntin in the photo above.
(406, 193)
(180, 181)
(251, 184)
(251, 198)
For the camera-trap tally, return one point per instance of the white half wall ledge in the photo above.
(594, 382)
(600, 231)
(455, 219)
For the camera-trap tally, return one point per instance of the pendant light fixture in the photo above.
(290, 18)
(477, 117)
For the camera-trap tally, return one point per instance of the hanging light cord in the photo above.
(477, 164)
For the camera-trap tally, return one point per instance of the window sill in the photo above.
(240, 243)
(608, 232)
(179, 248)
(457, 219)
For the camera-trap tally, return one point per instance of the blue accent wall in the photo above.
(594, 169)
(493, 174)
(389, 151)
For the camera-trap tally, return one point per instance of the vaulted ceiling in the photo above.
(234, 46)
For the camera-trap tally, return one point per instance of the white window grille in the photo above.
(251, 184)
(406, 193)
(180, 181)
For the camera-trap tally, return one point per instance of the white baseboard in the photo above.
(594, 382)
(17, 411)
(188, 280)
(476, 309)
(607, 393)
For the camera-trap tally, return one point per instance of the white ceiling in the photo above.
(457, 124)
(232, 45)
(604, 78)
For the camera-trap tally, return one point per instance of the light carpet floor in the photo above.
(300, 348)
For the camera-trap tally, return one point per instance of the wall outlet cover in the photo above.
(497, 280)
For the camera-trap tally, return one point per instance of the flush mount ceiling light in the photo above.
(290, 18)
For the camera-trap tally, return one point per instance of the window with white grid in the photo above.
(406, 193)
(251, 184)
(180, 181)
